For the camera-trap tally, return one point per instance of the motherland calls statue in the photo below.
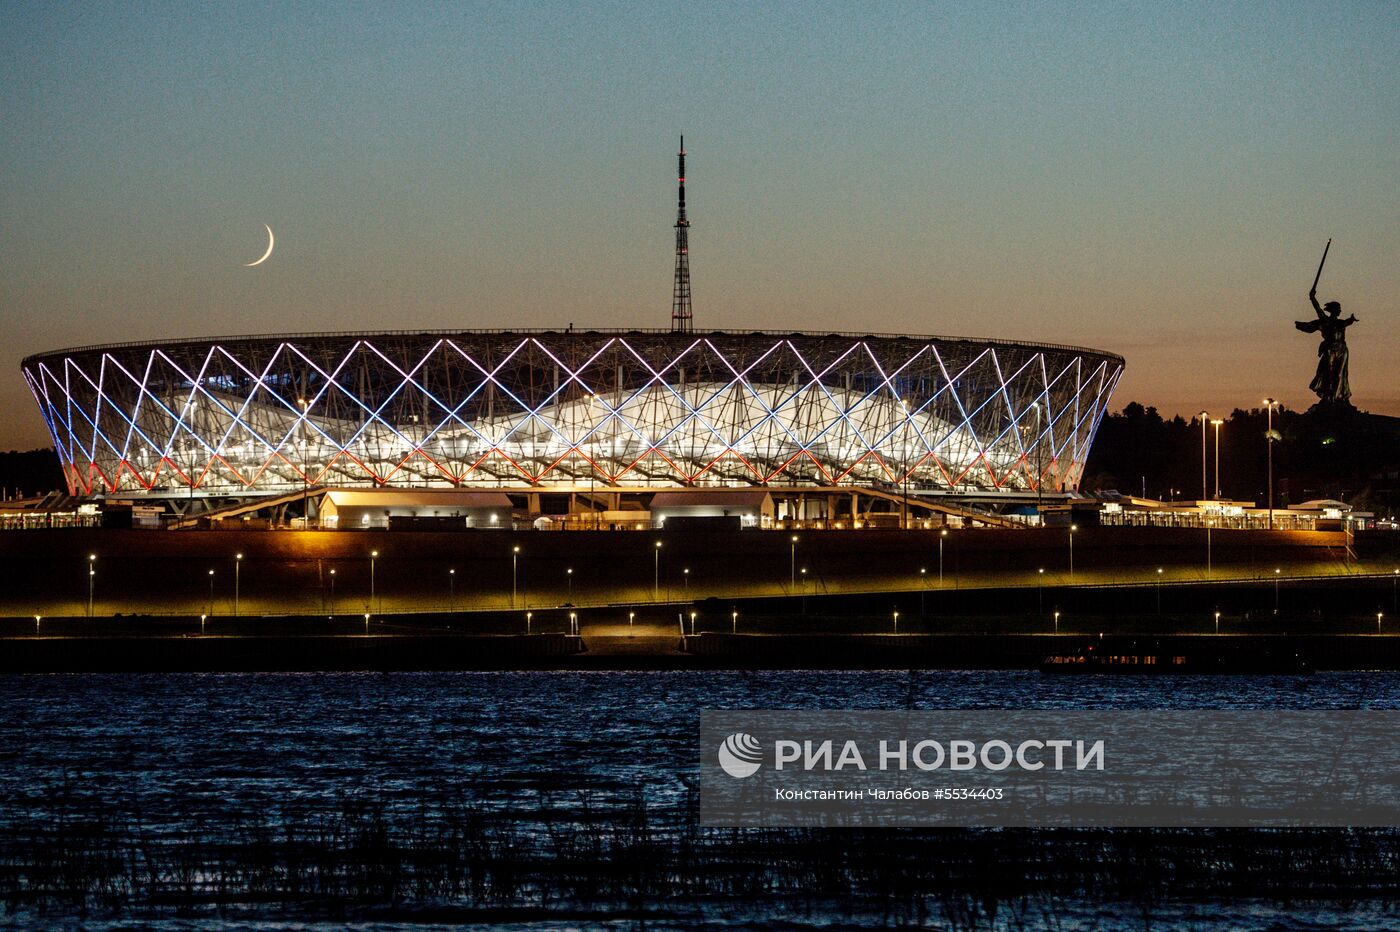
(1330, 383)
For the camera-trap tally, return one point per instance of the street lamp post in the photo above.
(656, 573)
(373, 556)
(1217, 622)
(237, 578)
(332, 575)
(941, 535)
(1378, 622)
(734, 622)
(514, 568)
(1269, 443)
(792, 582)
(923, 588)
(1040, 591)
(452, 590)
(1205, 489)
(92, 573)
(1057, 621)
(211, 592)
(1277, 573)
(803, 589)
(1209, 525)
(896, 621)
(1159, 590)
(1216, 422)
(1072, 529)
(528, 617)
(685, 574)
(631, 618)
(570, 574)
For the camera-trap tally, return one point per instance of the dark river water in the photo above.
(226, 779)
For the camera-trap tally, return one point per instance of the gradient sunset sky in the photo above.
(1156, 180)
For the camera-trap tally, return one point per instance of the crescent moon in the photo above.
(271, 241)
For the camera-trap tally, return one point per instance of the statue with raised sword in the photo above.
(1330, 383)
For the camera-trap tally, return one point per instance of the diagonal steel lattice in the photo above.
(245, 416)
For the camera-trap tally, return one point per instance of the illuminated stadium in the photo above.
(242, 417)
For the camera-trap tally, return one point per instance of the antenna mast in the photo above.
(680, 294)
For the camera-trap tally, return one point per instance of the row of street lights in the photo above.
(1205, 487)
(794, 571)
(1380, 616)
(375, 605)
(1269, 438)
(574, 627)
(734, 616)
(237, 584)
(569, 575)
(656, 579)
(211, 574)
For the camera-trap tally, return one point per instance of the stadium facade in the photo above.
(242, 417)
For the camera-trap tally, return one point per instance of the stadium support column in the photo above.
(680, 295)
(305, 479)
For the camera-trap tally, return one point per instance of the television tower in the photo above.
(680, 296)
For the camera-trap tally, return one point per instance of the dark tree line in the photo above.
(1354, 457)
(30, 473)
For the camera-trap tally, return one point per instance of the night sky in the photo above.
(1156, 181)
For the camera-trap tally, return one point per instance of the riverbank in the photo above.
(651, 649)
(1329, 623)
(106, 572)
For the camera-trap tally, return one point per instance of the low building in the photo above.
(1320, 515)
(753, 507)
(350, 509)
